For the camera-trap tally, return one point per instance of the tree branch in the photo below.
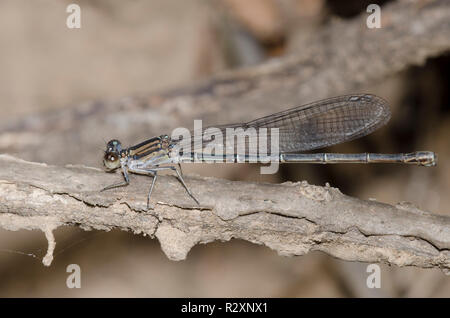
(290, 218)
(342, 57)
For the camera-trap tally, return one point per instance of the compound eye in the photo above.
(113, 145)
(111, 161)
(111, 157)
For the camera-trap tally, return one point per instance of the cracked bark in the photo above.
(290, 218)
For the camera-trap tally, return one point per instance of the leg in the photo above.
(119, 184)
(153, 171)
(179, 178)
(184, 184)
(149, 172)
(151, 189)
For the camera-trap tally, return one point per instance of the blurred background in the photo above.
(142, 47)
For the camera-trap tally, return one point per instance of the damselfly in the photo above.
(307, 127)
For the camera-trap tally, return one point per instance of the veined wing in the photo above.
(316, 125)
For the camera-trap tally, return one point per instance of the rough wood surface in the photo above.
(290, 218)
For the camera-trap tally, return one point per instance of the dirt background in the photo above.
(127, 48)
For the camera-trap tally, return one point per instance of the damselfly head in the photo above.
(111, 160)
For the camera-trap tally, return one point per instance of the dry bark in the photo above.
(291, 218)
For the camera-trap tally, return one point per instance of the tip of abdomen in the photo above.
(426, 158)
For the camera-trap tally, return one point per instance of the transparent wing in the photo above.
(307, 127)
